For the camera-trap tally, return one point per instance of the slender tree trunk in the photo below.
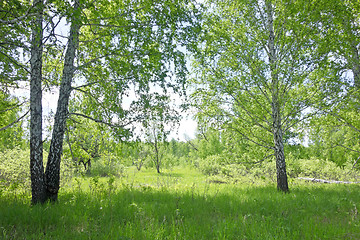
(36, 146)
(353, 57)
(282, 183)
(356, 66)
(157, 160)
(281, 176)
(52, 173)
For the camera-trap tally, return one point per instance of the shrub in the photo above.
(15, 168)
(169, 161)
(211, 165)
(321, 169)
(221, 167)
(107, 165)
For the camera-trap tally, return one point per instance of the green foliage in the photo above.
(14, 170)
(335, 137)
(220, 169)
(107, 165)
(239, 87)
(210, 144)
(9, 113)
(130, 59)
(13, 35)
(211, 165)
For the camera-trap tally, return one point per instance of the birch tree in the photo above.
(337, 129)
(111, 49)
(112, 46)
(36, 144)
(157, 127)
(255, 72)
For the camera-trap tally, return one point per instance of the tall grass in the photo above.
(181, 204)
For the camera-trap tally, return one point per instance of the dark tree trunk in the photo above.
(52, 173)
(36, 146)
(158, 168)
(157, 159)
(282, 183)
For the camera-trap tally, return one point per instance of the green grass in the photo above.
(181, 204)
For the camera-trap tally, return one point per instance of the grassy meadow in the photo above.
(182, 204)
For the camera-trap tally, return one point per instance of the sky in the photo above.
(186, 130)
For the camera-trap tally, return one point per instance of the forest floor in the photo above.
(181, 204)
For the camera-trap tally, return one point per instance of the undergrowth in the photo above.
(182, 204)
(212, 199)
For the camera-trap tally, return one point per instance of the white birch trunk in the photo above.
(282, 183)
(52, 173)
(36, 146)
(356, 66)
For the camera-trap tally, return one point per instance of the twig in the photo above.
(355, 162)
(100, 121)
(16, 121)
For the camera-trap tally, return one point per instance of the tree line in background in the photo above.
(272, 80)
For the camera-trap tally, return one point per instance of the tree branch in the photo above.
(191, 144)
(346, 122)
(253, 141)
(325, 181)
(15, 20)
(15, 62)
(114, 26)
(102, 122)
(356, 162)
(14, 107)
(14, 122)
(340, 145)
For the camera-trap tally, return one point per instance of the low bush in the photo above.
(15, 169)
(211, 165)
(108, 165)
(225, 171)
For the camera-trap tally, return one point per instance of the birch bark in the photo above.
(282, 183)
(36, 146)
(356, 65)
(52, 173)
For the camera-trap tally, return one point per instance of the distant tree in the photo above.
(87, 141)
(156, 139)
(162, 119)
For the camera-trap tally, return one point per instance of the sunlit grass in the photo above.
(181, 204)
